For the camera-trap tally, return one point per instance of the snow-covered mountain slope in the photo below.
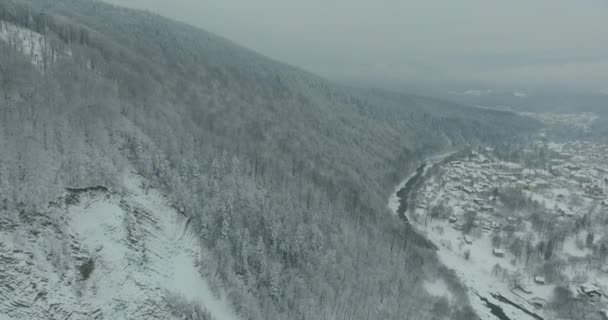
(145, 260)
(31, 44)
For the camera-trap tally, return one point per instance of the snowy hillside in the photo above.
(282, 175)
(33, 45)
(145, 260)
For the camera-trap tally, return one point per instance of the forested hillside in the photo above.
(283, 175)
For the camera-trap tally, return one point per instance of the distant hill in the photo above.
(283, 175)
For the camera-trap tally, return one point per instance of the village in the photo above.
(532, 230)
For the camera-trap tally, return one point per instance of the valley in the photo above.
(523, 228)
(151, 169)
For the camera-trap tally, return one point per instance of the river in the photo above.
(404, 198)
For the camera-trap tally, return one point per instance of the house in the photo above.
(539, 280)
(453, 219)
(498, 252)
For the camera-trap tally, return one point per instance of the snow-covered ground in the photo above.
(571, 248)
(476, 273)
(28, 42)
(32, 45)
(144, 252)
(477, 187)
(438, 288)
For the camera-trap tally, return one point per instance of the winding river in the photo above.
(405, 197)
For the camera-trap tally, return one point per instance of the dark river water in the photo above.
(495, 309)
(404, 195)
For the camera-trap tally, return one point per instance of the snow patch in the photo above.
(144, 253)
(438, 288)
(28, 42)
(572, 249)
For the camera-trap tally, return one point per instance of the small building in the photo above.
(453, 219)
(540, 280)
(498, 252)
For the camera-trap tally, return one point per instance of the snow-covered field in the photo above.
(476, 273)
(144, 252)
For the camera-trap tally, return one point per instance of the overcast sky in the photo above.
(513, 42)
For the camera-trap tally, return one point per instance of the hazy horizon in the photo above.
(516, 44)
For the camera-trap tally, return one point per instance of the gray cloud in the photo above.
(514, 42)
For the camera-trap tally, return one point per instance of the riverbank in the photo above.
(482, 287)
